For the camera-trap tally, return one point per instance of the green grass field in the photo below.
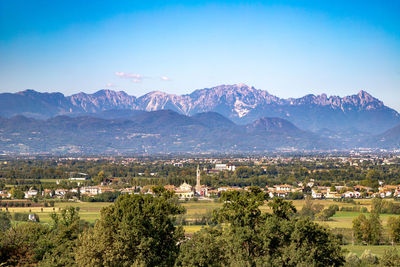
(377, 250)
(90, 211)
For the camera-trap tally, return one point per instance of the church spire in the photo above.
(198, 185)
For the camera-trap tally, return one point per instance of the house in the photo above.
(104, 189)
(231, 168)
(74, 190)
(129, 191)
(388, 190)
(32, 218)
(4, 194)
(228, 188)
(178, 164)
(31, 193)
(47, 192)
(332, 194)
(283, 187)
(61, 192)
(317, 194)
(220, 167)
(90, 190)
(352, 194)
(79, 177)
(170, 187)
(278, 193)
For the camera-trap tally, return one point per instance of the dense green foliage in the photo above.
(103, 197)
(369, 230)
(137, 230)
(5, 221)
(248, 237)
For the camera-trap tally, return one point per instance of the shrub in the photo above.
(364, 210)
(352, 260)
(390, 257)
(22, 217)
(367, 258)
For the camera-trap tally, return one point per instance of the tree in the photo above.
(100, 177)
(376, 228)
(17, 193)
(372, 178)
(377, 205)
(243, 172)
(367, 230)
(251, 238)
(282, 209)
(24, 245)
(5, 221)
(325, 214)
(205, 248)
(62, 237)
(136, 230)
(310, 209)
(312, 245)
(394, 229)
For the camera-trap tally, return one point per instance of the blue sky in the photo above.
(289, 48)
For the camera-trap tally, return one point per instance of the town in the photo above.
(198, 181)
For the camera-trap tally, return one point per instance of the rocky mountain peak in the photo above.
(240, 103)
(109, 93)
(365, 97)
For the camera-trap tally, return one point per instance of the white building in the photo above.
(90, 190)
(31, 193)
(220, 167)
(184, 191)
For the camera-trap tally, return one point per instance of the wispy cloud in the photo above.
(165, 78)
(127, 75)
(135, 78)
(110, 85)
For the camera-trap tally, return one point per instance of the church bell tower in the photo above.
(198, 185)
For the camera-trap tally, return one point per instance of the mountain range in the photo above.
(161, 131)
(226, 118)
(240, 103)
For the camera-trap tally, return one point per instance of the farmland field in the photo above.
(377, 250)
(90, 211)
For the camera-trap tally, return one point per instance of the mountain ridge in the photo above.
(240, 103)
(161, 131)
